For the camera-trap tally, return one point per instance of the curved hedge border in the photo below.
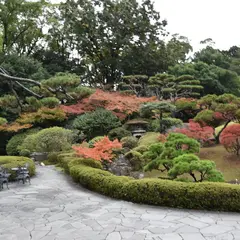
(9, 162)
(209, 196)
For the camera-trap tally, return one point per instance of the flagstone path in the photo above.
(54, 208)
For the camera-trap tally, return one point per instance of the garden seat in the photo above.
(4, 175)
(23, 174)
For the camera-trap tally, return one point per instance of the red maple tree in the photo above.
(230, 138)
(194, 130)
(102, 150)
(120, 105)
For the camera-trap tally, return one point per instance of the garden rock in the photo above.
(122, 167)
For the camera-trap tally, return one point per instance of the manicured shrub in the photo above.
(119, 133)
(53, 157)
(129, 142)
(148, 139)
(81, 92)
(167, 123)
(16, 141)
(141, 149)
(96, 123)
(3, 121)
(53, 139)
(33, 104)
(50, 102)
(207, 196)
(44, 116)
(136, 160)
(9, 162)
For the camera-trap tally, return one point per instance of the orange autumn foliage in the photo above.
(14, 127)
(121, 105)
(102, 150)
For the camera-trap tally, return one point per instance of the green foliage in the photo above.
(8, 102)
(136, 160)
(50, 102)
(129, 142)
(23, 66)
(132, 24)
(53, 139)
(94, 140)
(118, 133)
(154, 151)
(167, 123)
(13, 144)
(96, 123)
(141, 149)
(167, 86)
(208, 196)
(156, 109)
(68, 81)
(3, 121)
(81, 92)
(33, 104)
(190, 164)
(148, 139)
(206, 116)
(9, 162)
(163, 155)
(214, 79)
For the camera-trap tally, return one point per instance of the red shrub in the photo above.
(121, 105)
(102, 150)
(230, 138)
(196, 131)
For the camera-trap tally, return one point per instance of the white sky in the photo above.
(201, 19)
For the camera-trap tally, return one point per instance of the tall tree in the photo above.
(104, 29)
(167, 86)
(21, 25)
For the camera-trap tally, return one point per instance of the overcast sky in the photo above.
(201, 19)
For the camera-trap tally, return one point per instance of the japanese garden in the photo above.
(94, 87)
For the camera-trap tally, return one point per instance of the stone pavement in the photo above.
(54, 208)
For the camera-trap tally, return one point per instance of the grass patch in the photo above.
(227, 163)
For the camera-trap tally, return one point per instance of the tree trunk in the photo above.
(193, 176)
(160, 122)
(217, 137)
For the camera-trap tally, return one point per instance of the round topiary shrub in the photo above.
(50, 102)
(3, 121)
(96, 123)
(129, 142)
(119, 133)
(55, 139)
(15, 142)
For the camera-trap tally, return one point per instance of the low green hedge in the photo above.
(209, 196)
(9, 162)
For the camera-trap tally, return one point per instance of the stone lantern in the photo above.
(138, 127)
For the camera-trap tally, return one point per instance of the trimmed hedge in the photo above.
(208, 196)
(9, 162)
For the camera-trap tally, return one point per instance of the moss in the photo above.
(148, 139)
(209, 196)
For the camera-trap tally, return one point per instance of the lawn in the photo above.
(228, 164)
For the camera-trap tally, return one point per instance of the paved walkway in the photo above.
(54, 208)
